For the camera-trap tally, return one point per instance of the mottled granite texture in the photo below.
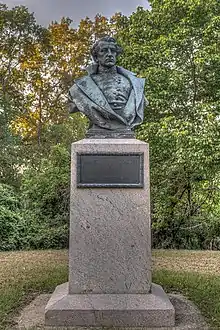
(109, 253)
(187, 316)
(104, 310)
(110, 240)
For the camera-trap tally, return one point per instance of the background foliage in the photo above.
(176, 46)
(12, 227)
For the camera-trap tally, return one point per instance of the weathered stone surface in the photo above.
(118, 310)
(110, 252)
(187, 316)
(110, 237)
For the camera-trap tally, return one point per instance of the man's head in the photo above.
(105, 51)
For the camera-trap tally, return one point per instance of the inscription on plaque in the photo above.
(110, 170)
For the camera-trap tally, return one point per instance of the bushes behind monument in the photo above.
(12, 227)
(36, 216)
(175, 47)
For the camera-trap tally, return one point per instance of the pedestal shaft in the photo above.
(110, 240)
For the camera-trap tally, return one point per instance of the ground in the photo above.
(196, 274)
(203, 262)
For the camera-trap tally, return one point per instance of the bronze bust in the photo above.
(110, 96)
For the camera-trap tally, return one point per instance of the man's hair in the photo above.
(96, 47)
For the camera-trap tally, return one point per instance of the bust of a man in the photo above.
(110, 96)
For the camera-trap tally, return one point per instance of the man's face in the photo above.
(107, 54)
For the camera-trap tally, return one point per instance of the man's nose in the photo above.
(109, 51)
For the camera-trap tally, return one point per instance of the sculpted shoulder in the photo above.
(80, 81)
(131, 75)
(111, 96)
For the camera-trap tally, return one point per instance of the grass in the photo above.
(196, 274)
(23, 275)
(203, 290)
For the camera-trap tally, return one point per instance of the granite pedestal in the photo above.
(110, 242)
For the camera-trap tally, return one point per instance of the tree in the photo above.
(49, 71)
(38, 65)
(9, 158)
(176, 46)
(12, 226)
(45, 195)
(18, 31)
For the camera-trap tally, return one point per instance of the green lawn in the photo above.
(196, 274)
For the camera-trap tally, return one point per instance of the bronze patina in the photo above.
(110, 96)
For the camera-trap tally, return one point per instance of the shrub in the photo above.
(12, 224)
(45, 192)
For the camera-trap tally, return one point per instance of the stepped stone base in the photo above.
(119, 310)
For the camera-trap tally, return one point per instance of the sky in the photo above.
(47, 10)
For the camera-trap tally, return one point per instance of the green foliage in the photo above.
(199, 288)
(9, 158)
(46, 188)
(176, 46)
(18, 33)
(45, 195)
(37, 66)
(39, 218)
(185, 180)
(12, 225)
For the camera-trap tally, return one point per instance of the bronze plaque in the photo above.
(110, 170)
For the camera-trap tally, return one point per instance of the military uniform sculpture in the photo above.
(110, 96)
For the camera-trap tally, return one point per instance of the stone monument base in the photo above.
(132, 310)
